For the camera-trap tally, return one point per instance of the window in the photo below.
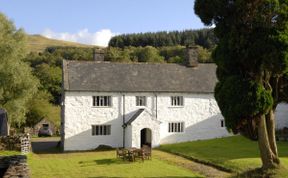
(101, 129)
(140, 100)
(102, 101)
(222, 123)
(177, 101)
(176, 127)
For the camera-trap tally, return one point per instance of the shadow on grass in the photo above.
(259, 173)
(45, 146)
(52, 146)
(106, 162)
(151, 177)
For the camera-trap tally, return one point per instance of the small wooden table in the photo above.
(133, 153)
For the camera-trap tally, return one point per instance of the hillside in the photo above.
(37, 43)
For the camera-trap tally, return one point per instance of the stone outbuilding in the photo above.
(45, 123)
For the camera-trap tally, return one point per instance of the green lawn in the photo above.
(9, 153)
(100, 164)
(236, 153)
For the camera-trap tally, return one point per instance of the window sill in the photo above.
(101, 106)
(141, 106)
(176, 133)
(175, 106)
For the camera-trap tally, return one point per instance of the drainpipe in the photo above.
(123, 117)
(156, 105)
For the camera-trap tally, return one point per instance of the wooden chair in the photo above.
(121, 153)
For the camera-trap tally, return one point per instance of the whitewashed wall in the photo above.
(80, 115)
(281, 116)
(200, 114)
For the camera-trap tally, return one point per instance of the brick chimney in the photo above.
(98, 55)
(191, 57)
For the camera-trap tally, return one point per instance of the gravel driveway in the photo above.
(45, 145)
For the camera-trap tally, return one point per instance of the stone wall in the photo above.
(16, 142)
(14, 166)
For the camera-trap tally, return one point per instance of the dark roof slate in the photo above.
(137, 77)
(134, 117)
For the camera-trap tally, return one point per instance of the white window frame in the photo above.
(102, 101)
(177, 101)
(176, 127)
(100, 130)
(141, 100)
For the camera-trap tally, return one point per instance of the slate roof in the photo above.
(134, 117)
(137, 77)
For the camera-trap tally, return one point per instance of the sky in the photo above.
(96, 21)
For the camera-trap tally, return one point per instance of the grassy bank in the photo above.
(234, 153)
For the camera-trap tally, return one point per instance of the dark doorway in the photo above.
(146, 137)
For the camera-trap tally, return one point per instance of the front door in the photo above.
(146, 137)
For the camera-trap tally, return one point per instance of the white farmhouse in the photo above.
(133, 104)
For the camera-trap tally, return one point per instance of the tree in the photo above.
(40, 107)
(149, 54)
(252, 65)
(17, 84)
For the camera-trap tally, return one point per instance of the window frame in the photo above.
(140, 98)
(176, 127)
(100, 130)
(177, 101)
(103, 101)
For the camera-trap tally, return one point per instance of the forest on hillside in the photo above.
(202, 37)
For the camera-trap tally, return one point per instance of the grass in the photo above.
(234, 153)
(38, 43)
(100, 164)
(9, 153)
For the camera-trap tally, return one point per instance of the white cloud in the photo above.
(99, 38)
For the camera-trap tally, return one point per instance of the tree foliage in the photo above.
(170, 54)
(203, 37)
(40, 107)
(17, 84)
(252, 65)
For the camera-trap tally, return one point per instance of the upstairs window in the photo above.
(176, 127)
(101, 130)
(140, 100)
(222, 123)
(177, 101)
(102, 101)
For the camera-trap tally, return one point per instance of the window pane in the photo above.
(109, 101)
(97, 130)
(108, 129)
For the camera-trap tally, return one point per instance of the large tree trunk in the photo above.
(267, 143)
(270, 121)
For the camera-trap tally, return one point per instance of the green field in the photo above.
(100, 164)
(235, 153)
(37, 43)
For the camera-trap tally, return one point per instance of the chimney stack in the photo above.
(98, 55)
(191, 58)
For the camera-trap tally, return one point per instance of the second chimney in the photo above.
(191, 57)
(98, 55)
